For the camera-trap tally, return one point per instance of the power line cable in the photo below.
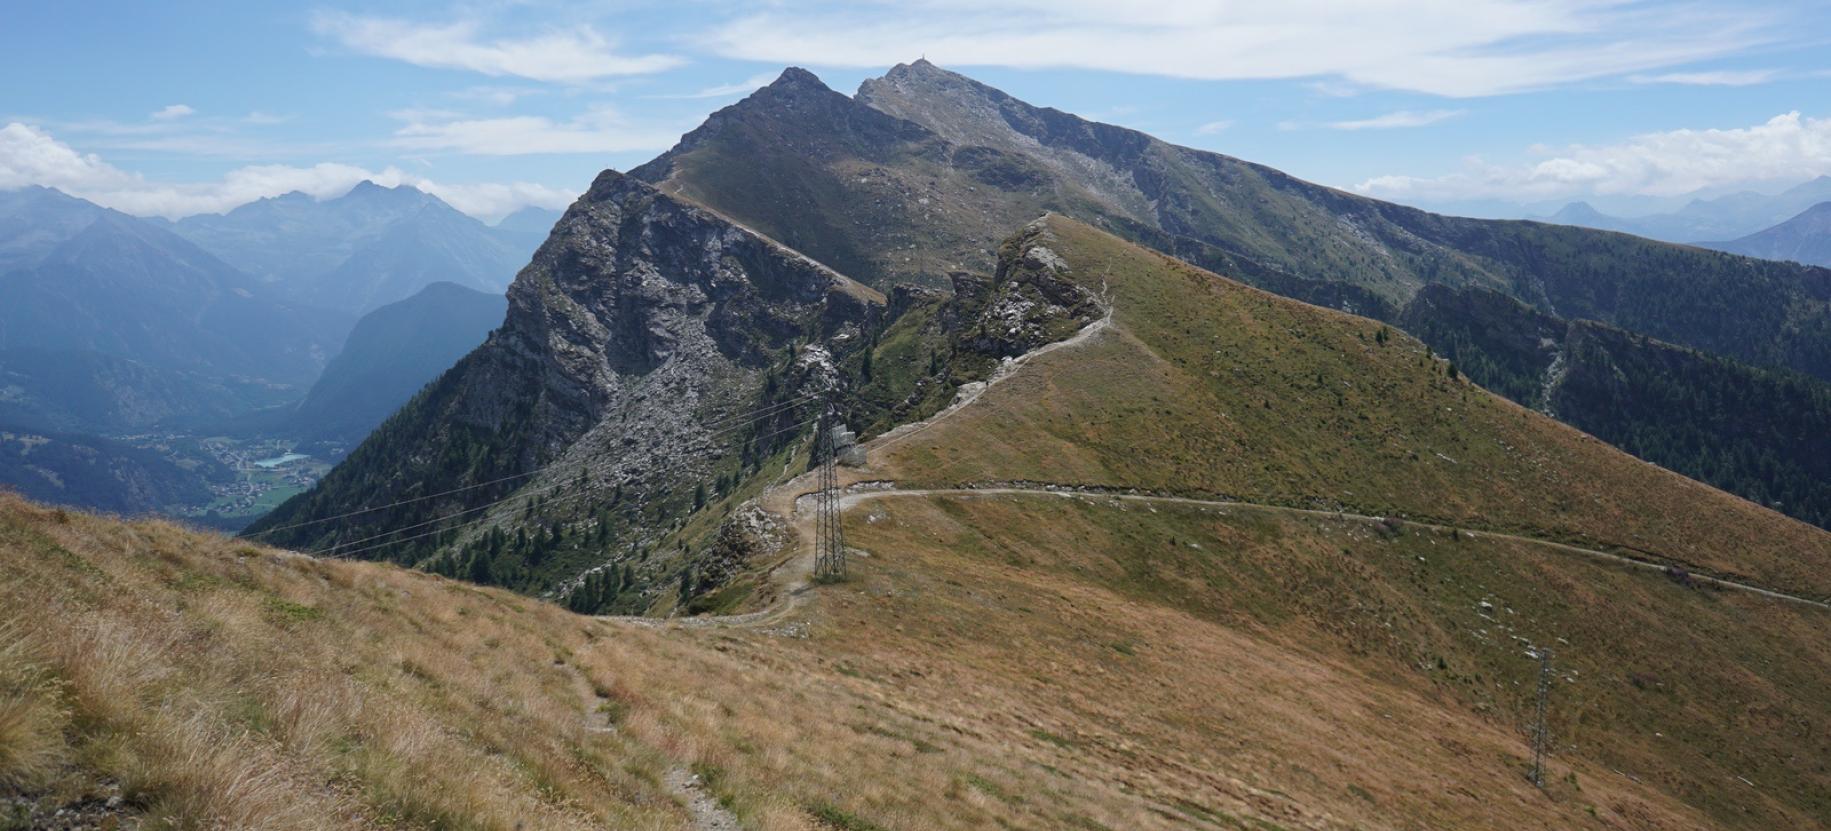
(337, 550)
(767, 411)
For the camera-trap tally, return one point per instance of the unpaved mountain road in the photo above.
(793, 579)
(1094, 495)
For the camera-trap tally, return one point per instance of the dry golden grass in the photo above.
(971, 675)
(1355, 672)
(32, 720)
(248, 688)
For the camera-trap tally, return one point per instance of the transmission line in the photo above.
(766, 411)
(337, 550)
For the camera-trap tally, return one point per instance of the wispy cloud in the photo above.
(1722, 78)
(32, 156)
(744, 87)
(179, 130)
(1470, 48)
(1784, 148)
(570, 55)
(500, 96)
(1213, 127)
(1397, 120)
(600, 130)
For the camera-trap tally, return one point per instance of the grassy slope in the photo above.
(1229, 657)
(1025, 663)
(1210, 387)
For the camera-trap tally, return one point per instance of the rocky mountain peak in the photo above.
(796, 78)
(641, 319)
(956, 107)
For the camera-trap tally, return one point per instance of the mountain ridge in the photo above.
(893, 201)
(365, 248)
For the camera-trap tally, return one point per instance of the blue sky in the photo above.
(1476, 105)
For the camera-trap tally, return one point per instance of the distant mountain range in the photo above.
(1805, 238)
(111, 322)
(126, 288)
(113, 325)
(365, 249)
(1721, 218)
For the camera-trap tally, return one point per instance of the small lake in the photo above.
(280, 460)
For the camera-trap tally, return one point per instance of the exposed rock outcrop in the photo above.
(636, 344)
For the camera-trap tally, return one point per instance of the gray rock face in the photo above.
(633, 342)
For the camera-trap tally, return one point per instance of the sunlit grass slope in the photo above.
(1026, 662)
(1233, 657)
(1207, 387)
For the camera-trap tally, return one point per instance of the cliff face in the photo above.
(640, 331)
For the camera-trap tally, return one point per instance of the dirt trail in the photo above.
(852, 499)
(707, 814)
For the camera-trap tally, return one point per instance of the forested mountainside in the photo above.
(1757, 433)
(392, 353)
(95, 473)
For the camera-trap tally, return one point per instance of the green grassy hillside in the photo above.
(1204, 386)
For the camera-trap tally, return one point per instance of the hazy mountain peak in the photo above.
(1805, 238)
(1579, 213)
(367, 187)
(531, 219)
(367, 191)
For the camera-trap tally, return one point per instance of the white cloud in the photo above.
(30, 156)
(172, 112)
(500, 96)
(1786, 147)
(601, 130)
(1724, 78)
(1396, 120)
(744, 87)
(571, 55)
(1443, 47)
(1213, 127)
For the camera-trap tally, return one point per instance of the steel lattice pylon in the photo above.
(829, 530)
